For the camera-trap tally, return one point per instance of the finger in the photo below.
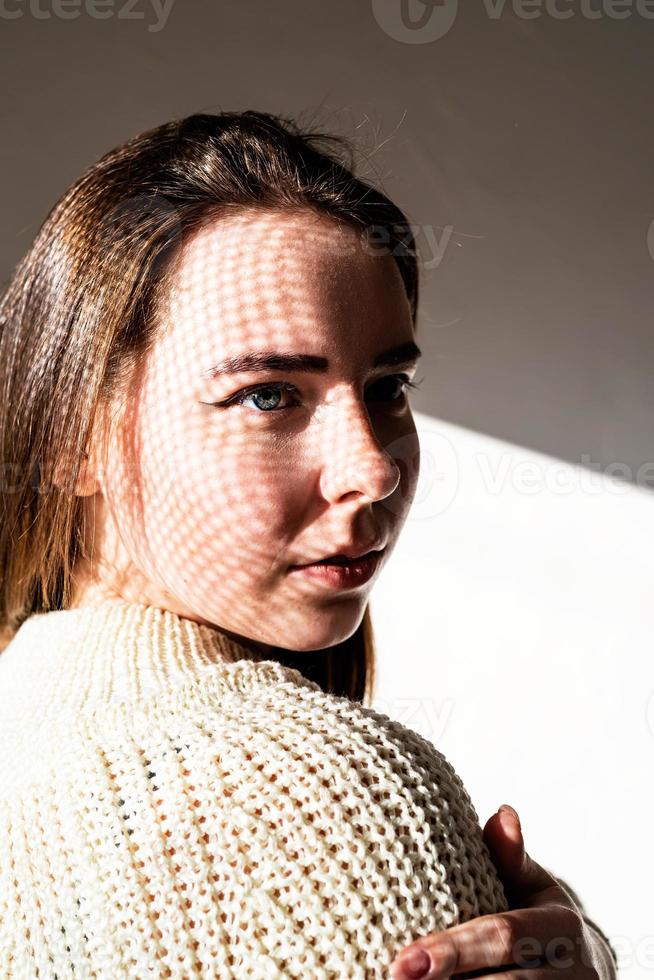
(520, 874)
(525, 938)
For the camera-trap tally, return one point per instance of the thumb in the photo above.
(520, 874)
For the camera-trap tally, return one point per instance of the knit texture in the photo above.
(172, 806)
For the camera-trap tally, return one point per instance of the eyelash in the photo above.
(289, 388)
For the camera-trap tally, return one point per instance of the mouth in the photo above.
(340, 572)
(343, 560)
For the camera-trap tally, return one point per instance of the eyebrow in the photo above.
(251, 361)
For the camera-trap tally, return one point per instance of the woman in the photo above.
(209, 455)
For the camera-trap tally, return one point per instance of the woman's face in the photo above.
(212, 491)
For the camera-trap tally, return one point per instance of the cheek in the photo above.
(219, 499)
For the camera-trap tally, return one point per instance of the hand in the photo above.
(543, 936)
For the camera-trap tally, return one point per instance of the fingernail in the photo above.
(412, 965)
(509, 809)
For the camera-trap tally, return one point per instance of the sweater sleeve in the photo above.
(589, 922)
(275, 834)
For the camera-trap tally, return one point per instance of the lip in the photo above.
(349, 576)
(349, 550)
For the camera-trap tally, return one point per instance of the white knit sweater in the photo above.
(170, 806)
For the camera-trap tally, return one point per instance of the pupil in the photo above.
(262, 393)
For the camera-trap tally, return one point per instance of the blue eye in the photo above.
(266, 394)
(265, 397)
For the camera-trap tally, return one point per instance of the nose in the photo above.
(354, 463)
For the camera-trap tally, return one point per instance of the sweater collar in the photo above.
(121, 652)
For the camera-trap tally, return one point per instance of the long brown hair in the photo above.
(80, 310)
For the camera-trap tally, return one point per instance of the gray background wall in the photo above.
(520, 146)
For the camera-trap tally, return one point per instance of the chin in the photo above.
(319, 629)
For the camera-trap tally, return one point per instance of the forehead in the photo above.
(257, 277)
(267, 250)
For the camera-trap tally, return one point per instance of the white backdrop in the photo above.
(514, 630)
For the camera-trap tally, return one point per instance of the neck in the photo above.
(116, 651)
(89, 592)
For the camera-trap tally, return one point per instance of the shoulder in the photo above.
(245, 713)
(281, 786)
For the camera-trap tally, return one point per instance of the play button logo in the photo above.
(415, 21)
